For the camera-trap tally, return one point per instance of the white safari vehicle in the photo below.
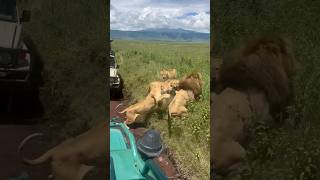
(16, 60)
(116, 82)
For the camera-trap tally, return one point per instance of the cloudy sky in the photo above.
(143, 14)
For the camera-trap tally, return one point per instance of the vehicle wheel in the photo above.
(121, 87)
(32, 108)
(36, 63)
(117, 93)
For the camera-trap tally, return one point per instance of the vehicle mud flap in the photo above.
(10, 103)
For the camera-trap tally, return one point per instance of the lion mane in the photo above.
(192, 82)
(253, 82)
(265, 63)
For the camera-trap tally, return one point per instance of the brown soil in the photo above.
(19, 114)
(10, 161)
(14, 129)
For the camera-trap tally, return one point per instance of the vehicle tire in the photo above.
(36, 62)
(32, 108)
(119, 91)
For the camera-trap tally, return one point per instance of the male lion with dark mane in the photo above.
(192, 82)
(253, 85)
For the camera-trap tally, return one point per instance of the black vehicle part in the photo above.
(36, 62)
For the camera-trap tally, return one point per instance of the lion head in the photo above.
(168, 74)
(265, 63)
(192, 82)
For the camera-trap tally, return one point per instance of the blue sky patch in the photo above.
(187, 14)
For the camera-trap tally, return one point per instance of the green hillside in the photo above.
(161, 34)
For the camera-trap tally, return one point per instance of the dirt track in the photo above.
(16, 122)
(10, 162)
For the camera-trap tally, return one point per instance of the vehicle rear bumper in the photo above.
(17, 80)
(115, 86)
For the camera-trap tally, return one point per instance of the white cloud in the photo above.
(143, 14)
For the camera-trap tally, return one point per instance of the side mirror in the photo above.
(26, 15)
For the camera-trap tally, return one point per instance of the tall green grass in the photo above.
(140, 63)
(71, 38)
(291, 152)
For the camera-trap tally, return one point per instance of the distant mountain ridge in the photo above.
(161, 34)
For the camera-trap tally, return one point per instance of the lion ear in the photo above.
(292, 64)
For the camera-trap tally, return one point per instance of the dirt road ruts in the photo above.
(19, 115)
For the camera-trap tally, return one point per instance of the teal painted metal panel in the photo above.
(117, 140)
(127, 163)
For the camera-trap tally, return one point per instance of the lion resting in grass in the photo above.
(159, 89)
(70, 159)
(254, 86)
(177, 106)
(158, 93)
(141, 108)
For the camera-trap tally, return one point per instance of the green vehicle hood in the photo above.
(125, 161)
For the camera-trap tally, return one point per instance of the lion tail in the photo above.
(117, 107)
(38, 160)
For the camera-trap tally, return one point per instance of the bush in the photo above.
(69, 37)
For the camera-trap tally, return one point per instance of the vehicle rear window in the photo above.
(8, 10)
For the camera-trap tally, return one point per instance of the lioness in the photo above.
(168, 74)
(70, 159)
(177, 105)
(158, 89)
(143, 107)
